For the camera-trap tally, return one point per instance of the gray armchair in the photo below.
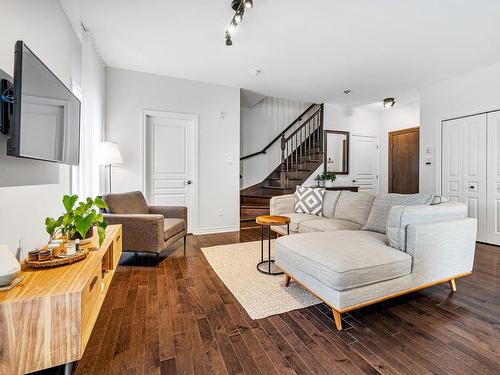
(145, 228)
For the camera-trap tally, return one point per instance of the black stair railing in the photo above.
(282, 134)
(303, 143)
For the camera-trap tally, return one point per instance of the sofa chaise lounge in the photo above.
(349, 268)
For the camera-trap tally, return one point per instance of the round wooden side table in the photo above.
(268, 221)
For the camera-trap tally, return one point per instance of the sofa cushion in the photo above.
(402, 216)
(354, 207)
(309, 200)
(126, 203)
(173, 226)
(329, 202)
(324, 225)
(296, 219)
(342, 259)
(377, 221)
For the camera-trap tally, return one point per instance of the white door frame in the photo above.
(377, 169)
(143, 158)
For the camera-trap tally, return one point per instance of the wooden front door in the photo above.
(404, 161)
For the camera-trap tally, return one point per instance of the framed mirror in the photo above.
(336, 156)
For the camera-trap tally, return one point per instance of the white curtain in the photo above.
(87, 182)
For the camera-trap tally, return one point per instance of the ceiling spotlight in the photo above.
(389, 102)
(239, 8)
(347, 91)
(229, 42)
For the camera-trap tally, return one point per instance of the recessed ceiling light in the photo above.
(389, 102)
(255, 72)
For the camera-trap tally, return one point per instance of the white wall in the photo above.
(352, 119)
(128, 93)
(391, 119)
(260, 124)
(361, 120)
(475, 92)
(45, 29)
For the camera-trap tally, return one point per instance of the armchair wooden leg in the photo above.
(338, 319)
(453, 285)
(287, 280)
(157, 259)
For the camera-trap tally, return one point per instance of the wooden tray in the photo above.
(54, 262)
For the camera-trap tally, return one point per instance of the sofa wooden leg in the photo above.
(287, 280)
(184, 245)
(338, 319)
(453, 285)
(157, 259)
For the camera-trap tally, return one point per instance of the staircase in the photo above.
(301, 155)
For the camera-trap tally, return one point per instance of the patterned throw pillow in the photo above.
(309, 200)
(377, 221)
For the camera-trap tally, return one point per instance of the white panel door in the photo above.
(493, 205)
(365, 162)
(170, 161)
(464, 166)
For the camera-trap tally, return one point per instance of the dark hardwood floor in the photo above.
(180, 318)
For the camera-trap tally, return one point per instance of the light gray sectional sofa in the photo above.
(348, 267)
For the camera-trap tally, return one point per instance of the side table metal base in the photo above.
(266, 265)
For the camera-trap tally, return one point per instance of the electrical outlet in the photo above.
(219, 212)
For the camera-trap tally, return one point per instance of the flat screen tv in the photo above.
(45, 123)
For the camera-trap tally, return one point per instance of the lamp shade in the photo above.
(109, 153)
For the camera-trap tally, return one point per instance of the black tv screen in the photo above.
(46, 115)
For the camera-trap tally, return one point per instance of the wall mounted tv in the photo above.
(39, 113)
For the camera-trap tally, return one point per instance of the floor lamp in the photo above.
(109, 155)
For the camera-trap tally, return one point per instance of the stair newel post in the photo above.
(321, 144)
(282, 154)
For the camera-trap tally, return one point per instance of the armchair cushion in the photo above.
(177, 212)
(126, 203)
(173, 226)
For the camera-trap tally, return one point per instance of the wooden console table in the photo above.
(47, 319)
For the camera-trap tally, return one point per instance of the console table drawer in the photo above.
(90, 300)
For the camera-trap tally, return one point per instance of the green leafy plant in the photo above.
(329, 176)
(78, 220)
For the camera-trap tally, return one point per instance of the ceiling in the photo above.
(307, 50)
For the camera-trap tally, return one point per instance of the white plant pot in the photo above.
(329, 183)
(9, 266)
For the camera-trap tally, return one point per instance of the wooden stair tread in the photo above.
(251, 207)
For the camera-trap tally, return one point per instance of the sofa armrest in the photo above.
(141, 232)
(443, 249)
(282, 204)
(173, 212)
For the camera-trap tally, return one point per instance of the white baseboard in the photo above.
(229, 228)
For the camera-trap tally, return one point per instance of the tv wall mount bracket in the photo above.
(6, 102)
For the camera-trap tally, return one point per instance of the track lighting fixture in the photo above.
(389, 102)
(238, 17)
(239, 7)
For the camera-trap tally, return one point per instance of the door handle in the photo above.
(354, 181)
(189, 182)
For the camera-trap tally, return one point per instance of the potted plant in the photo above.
(78, 221)
(321, 180)
(329, 177)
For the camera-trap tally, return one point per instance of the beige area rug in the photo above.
(261, 295)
